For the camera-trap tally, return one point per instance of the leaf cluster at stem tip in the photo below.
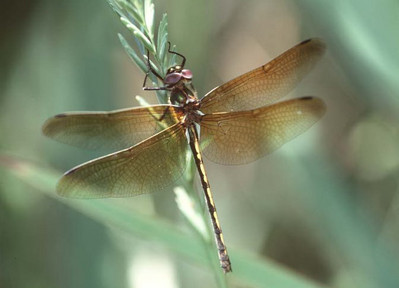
(138, 17)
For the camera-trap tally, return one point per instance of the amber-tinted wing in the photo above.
(149, 166)
(267, 83)
(118, 129)
(242, 137)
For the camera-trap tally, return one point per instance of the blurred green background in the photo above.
(321, 211)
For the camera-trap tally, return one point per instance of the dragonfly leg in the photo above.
(164, 114)
(178, 54)
(151, 70)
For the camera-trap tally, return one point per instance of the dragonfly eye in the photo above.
(172, 78)
(187, 74)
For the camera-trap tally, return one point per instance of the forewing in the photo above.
(267, 83)
(116, 129)
(149, 166)
(242, 137)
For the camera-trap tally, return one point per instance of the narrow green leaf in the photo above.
(133, 11)
(117, 3)
(149, 17)
(133, 55)
(165, 56)
(162, 39)
(139, 5)
(139, 34)
(115, 7)
(147, 43)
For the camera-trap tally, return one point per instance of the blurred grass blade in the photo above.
(249, 269)
(187, 207)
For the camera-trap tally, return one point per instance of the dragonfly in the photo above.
(235, 123)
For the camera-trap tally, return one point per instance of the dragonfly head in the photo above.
(176, 74)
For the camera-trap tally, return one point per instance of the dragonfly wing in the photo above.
(118, 129)
(150, 166)
(242, 137)
(267, 83)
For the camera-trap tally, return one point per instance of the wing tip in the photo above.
(306, 41)
(60, 188)
(304, 98)
(316, 42)
(62, 115)
(46, 128)
(66, 189)
(318, 105)
(48, 125)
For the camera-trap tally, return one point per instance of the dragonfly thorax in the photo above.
(182, 93)
(192, 114)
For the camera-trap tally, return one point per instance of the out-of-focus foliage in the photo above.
(325, 205)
